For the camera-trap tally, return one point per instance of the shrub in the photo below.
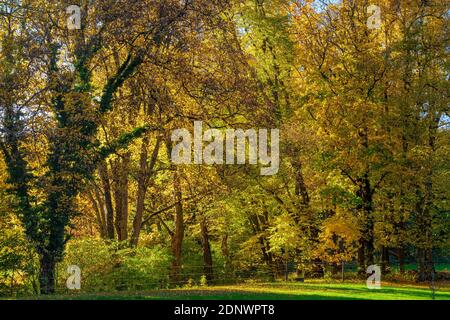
(106, 267)
(18, 261)
(203, 281)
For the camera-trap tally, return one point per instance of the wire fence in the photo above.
(201, 275)
(196, 276)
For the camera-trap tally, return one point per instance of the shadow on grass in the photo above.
(196, 295)
(383, 294)
(265, 291)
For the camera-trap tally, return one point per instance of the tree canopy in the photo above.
(87, 113)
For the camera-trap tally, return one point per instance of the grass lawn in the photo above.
(311, 290)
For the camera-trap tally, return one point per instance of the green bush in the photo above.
(203, 281)
(18, 261)
(106, 267)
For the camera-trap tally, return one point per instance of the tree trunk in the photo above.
(430, 263)
(178, 234)
(101, 207)
(207, 256)
(401, 259)
(124, 193)
(47, 274)
(370, 244)
(121, 196)
(104, 177)
(145, 171)
(141, 191)
(426, 264)
(384, 260)
(258, 228)
(99, 214)
(226, 252)
(421, 264)
(365, 193)
(300, 187)
(115, 168)
(361, 258)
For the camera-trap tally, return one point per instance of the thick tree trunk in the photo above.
(47, 274)
(361, 258)
(426, 264)
(370, 242)
(207, 256)
(366, 252)
(301, 191)
(104, 177)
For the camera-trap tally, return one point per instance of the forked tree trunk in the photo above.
(145, 172)
(259, 224)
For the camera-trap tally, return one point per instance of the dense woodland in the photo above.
(86, 117)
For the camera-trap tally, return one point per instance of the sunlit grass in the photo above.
(310, 290)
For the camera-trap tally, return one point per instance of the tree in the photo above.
(73, 148)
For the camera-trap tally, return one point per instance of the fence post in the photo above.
(342, 270)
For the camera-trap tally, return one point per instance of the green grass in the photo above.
(311, 290)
